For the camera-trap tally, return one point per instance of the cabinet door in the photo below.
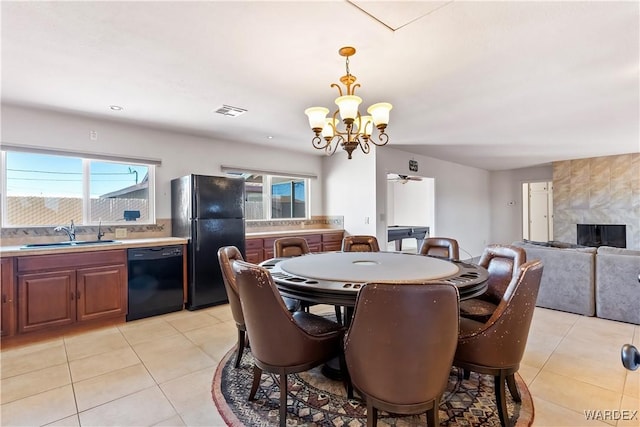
(101, 292)
(46, 300)
(332, 241)
(254, 252)
(8, 313)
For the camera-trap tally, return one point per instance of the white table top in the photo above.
(378, 267)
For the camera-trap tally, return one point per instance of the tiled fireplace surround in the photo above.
(599, 190)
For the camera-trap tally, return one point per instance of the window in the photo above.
(275, 197)
(50, 189)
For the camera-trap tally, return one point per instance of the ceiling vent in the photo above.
(228, 110)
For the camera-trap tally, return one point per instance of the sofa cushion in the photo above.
(618, 284)
(568, 278)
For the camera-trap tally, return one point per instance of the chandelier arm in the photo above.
(365, 147)
(331, 148)
(337, 86)
(320, 143)
(382, 137)
(353, 89)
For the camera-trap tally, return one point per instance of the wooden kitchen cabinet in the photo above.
(332, 241)
(101, 292)
(260, 249)
(62, 289)
(254, 252)
(46, 300)
(8, 310)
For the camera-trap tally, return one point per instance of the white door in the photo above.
(539, 212)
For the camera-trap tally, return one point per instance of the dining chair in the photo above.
(286, 247)
(496, 346)
(360, 244)
(226, 256)
(503, 264)
(441, 247)
(281, 342)
(400, 345)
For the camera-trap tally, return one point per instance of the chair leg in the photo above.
(501, 401)
(344, 372)
(241, 345)
(257, 373)
(283, 399)
(338, 314)
(513, 388)
(372, 414)
(466, 374)
(433, 417)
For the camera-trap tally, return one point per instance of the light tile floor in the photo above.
(158, 372)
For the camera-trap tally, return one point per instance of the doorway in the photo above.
(410, 202)
(537, 211)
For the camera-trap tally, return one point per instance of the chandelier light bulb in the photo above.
(380, 113)
(348, 106)
(316, 117)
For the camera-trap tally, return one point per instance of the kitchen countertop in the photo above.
(267, 234)
(12, 251)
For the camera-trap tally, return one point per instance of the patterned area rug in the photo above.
(315, 400)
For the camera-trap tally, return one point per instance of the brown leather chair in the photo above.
(441, 247)
(496, 347)
(399, 354)
(290, 246)
(281, 342)
(503, 264)
(360, 244)
(226, 256)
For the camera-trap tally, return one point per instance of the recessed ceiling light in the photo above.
(269, 137)
(116, 107)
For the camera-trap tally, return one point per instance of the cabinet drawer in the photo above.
(332, 237)
(70, 260)
(253, 244)
(313, 238)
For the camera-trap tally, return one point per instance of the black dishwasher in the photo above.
(155, 281)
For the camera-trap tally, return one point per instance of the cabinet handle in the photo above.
(72, 296)
(78, 295)
(4, 299)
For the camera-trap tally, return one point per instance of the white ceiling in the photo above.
(496, 85)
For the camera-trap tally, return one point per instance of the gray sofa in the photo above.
(568, 278)
(618, 284)
(601, 282)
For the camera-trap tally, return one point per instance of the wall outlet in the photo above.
(121, 233)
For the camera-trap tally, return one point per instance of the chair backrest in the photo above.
(290, 246)
(360, 244)
(441, 247)
(402, 339)
(226, 256)
(503, 263)
(275, 337)
(502, 340)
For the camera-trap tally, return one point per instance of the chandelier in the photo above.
(354, 130)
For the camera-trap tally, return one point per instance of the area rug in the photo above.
(315, 400)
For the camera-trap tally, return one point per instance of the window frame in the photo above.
(267, 197)
(86, 159)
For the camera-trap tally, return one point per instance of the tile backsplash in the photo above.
(162, 228)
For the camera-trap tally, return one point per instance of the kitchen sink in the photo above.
(68, 243)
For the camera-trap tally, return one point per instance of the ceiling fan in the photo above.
(403, 179)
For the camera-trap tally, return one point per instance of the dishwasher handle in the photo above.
(158, 252)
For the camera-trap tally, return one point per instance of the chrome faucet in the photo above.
(70, 230)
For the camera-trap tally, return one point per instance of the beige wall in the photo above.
(599, 190)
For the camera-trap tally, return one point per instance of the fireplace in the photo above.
(602, 235)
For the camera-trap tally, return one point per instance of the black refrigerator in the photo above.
(209, 212)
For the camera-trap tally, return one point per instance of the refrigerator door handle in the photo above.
(194, 237)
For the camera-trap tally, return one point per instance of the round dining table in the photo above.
(336, 277)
